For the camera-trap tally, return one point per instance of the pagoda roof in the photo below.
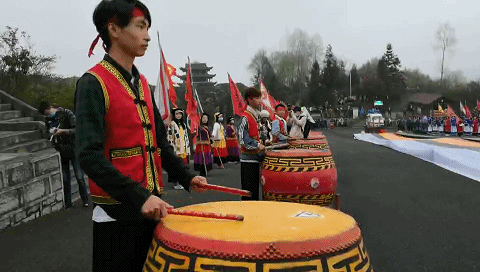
(197, 66)
(184, 77)
(203, 83)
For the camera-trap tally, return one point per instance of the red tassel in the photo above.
(94, 43)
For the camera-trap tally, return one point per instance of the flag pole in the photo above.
(193, 86)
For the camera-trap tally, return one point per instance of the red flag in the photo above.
(170, 70)
(467, 111)
(478, 105)
(239, 104)
(267, 101)
(451, 113)
(191, 109)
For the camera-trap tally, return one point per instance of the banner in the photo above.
(239, 104)
(467, 111)
(462, 108)
(267, 101)
(161, 90)
(191, 109)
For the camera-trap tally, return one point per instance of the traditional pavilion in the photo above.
(200, 75)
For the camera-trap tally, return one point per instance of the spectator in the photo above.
(60, 124)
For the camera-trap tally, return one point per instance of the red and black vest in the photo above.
(252, 132)
(130, 140)
(283, 131)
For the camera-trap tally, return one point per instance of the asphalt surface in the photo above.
(414, 216)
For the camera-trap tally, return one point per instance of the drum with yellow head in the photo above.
(274, 236)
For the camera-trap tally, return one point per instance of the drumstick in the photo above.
(235, 217)
(233, 191)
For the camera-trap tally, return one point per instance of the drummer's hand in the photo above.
(155, 208)
(261, 147)
(197, 183)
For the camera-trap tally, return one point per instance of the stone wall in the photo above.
(30, 187)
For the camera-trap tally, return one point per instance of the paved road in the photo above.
(414, 215)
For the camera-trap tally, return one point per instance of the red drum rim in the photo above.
(289, 153)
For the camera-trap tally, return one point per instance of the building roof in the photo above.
(424, 98)
(197, 66)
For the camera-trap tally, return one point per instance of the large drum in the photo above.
(274, 236)
(299, 175)
(309, 144)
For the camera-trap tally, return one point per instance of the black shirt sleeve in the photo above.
(170, 162)
(89, 141)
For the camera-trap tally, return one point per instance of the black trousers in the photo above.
(121, 245)
(250, 178)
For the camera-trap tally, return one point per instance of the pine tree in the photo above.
(388, 70)
(316, 94)
(330, 74)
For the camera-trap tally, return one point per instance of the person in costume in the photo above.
(453, 125)
(265, 129)
(203, 152)
(178, 137)
(233, 149)
(121, 141)
(447, 126)
(441, 127)
(475, 126)
(219, 144)
(279, 125)
(252, 150)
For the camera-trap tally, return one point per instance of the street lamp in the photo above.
(350, 84)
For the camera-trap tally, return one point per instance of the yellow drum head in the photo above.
(274, 236)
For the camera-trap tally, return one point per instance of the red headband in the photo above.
(136, 12)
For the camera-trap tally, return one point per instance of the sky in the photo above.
(226, 34)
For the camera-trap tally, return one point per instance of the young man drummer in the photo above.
(121, 141)
(252, 151)
(279, 125)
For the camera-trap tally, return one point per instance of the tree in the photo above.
(330, 74)
(262, 69)
(316, 93)
(445, 40)
(388, 71)
(18, 60)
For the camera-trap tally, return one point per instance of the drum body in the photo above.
(299, 175)
(309, 144)
(274, 236)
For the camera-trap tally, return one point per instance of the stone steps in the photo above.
(16, 120)
(11, 114)
(5, 107)
(20, 125)
(29, 147)
(9, 138)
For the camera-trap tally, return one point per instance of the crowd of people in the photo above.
(217, 142)
(439, 125)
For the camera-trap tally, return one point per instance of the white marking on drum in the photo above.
(304, 214)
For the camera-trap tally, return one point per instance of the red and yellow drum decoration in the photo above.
(299, 175)
(274, 236)
(309, 144)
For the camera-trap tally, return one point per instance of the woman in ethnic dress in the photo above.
(178, 137)
(219, 144)
(233, 148)
(203, 152)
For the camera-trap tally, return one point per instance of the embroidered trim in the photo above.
(125, 153)
(104, 89)
(148, 140)
(106, 200)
